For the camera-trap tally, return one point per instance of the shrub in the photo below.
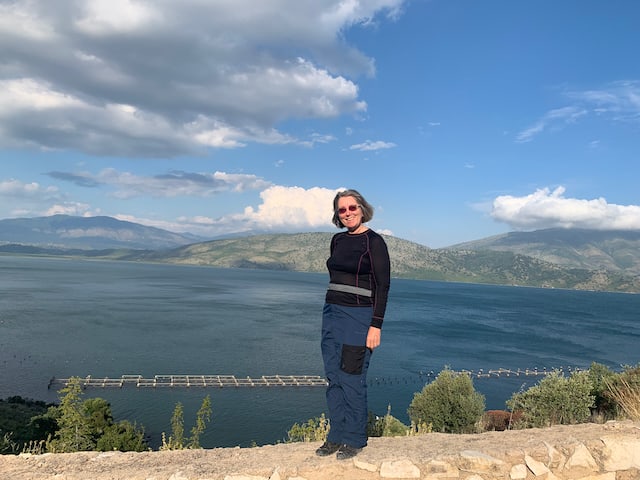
(313, 430)
(556, 399)
(122, 436)
(385, 426)
(499, 420)
(22, 423)
(449, 404)
(604, 407)
(87, 425)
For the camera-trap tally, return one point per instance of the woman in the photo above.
(355, 303)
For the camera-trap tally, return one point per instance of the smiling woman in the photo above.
(355, 304)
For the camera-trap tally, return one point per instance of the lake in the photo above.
(63, 317)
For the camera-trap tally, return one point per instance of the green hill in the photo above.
(307, 252)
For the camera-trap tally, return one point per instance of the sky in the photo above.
(456, 119)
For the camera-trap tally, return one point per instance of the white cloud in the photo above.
(17, 190)
(554, 119)
(103, 17)
(175, 183)
(70, 208)
(282, 209)
(292, 207)
(19, 199)
(372, 146)
(621, 100)
(616, 101)
(161, 79)
(548, 209)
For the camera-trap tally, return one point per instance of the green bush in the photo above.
(313, 430)
(604, 407)
(385, 426)
(556, 399)
(88, 425)
(122, 436)
(23, 422)
(449, 404)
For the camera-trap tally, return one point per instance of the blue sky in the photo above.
(457, 119)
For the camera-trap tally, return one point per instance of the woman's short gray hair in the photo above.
(365, 207)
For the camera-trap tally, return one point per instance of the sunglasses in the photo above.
(351, 208)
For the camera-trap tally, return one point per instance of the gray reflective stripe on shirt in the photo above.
(350, 289)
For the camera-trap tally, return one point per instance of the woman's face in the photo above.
(349, 213)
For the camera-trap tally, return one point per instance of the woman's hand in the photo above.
(373, 338)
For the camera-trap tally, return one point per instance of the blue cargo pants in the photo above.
(346, 361)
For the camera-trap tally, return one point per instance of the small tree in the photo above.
(449, 404)
(556, 399)
(88, 425)
(74, 433)
(202, 418)
(177, 440)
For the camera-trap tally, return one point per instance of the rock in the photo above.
(536, 467)
(518, 472)
(478, 462)
(399, 469)
(621, 452)
(581, 458)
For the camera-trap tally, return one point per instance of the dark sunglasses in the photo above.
(352, 208)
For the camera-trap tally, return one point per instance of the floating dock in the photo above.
(203, 381)
(226, 381)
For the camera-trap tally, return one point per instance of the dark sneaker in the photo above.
(327, 448)
(345, 452)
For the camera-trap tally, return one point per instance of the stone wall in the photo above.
(581, 452)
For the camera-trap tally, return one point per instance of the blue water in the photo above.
(61, 318)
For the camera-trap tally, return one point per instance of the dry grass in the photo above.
(626, 395)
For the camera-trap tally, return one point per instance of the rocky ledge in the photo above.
(580, 452)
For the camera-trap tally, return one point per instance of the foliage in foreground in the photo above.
(624, 391)
(556, 399)
(597, 394)
(317, 429)
(20, 425)
(86, 425)
(313, 430)
(177, 440)
(450, 404)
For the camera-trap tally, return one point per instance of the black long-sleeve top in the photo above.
(360, 260)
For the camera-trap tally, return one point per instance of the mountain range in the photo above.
(553, 258)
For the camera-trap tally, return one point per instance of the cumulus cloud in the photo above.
(548, 209)
(281, 209)
(291, 207)
(160, 79)
(19, 199)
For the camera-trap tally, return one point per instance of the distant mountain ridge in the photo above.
(308, 252)
(574, 259)
(614, 250)
(89, 233)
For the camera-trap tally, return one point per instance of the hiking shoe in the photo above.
(345, 452)
(327, 448)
